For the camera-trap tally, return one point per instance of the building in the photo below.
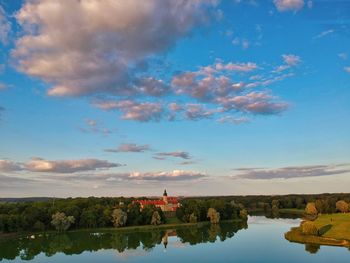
(166, 203)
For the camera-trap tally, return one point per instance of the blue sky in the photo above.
(199, 97)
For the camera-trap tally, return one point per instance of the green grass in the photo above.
(338, 233)
(340, 225)
(173, 220)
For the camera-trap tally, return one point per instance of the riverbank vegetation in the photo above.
(88, 213)
(323, 229)
(37, 213)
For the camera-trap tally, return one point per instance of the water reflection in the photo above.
(72, 243)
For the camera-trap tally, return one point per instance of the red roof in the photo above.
(171, 200)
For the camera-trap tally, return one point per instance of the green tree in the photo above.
(193, 218)
(243, 214)
(62, 222)
(119, 218)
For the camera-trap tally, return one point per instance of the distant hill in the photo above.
(25, 199)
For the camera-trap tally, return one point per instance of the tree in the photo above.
(275, 203)
(213, 215)
(342, 206)
(243, 214)
(119, 217)
(311, 210)
(62, 222)
(193, 218)
(156, 219)
(309, 228)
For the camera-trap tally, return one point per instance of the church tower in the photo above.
(165, 197)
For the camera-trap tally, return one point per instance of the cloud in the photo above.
(254, 103)
(3, 86)
(292, 172)
(233, 120)
(92, 46)
(324, 33)
(347, 69)
(130, 147)
(176, 175)
(5, 27)
(132, 110)
(291, 60)
(9, 166)
(67, 166)
(288, 5)
(178, 154)
(7, 182)
(197, 112)
(93, 126)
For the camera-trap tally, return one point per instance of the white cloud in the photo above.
(324, 33)
(289, 5)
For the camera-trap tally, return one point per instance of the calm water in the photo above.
(261, 241)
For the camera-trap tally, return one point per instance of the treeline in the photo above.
(77, 212)
(73, 243)
(326, 203)
(195, 210)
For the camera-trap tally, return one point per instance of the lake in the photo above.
(262, 240)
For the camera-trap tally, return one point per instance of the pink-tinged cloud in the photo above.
(254, 102)
(288, 5)
(10, 166)
(130, 147)
(132, 110)
(197, 112)
(347, 69)
(291, 60)
(292, 172)
(92, 46)
(67, 166)
(239, 67)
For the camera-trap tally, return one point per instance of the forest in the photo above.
(104, 212)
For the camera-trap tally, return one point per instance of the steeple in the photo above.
(165, 197)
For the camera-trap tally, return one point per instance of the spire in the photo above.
(165, 193)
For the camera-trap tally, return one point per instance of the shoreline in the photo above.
(295, 235)
(126, 229)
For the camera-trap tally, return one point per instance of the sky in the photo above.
(230, 97)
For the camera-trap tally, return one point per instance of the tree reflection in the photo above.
(72, 243)
(312, 248)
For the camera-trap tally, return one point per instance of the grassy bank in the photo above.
(337, 235)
